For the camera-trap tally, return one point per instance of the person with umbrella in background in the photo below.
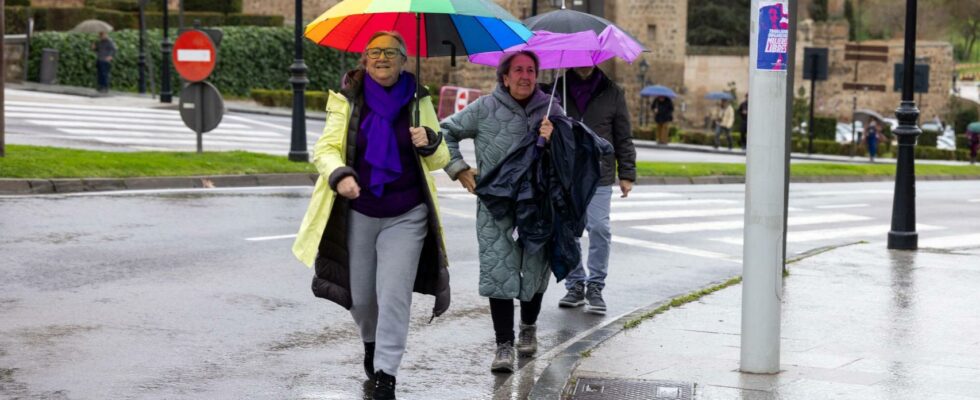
(105, 50)
(973, 135)
(374, 220)
(663, 115)
(724, 119)
(743, 126)
(495, 123)
(872, 136)
(600, 104)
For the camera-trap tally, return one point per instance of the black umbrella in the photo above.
(570, 21)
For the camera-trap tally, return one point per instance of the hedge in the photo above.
(249, 58)
(118, 5)
(64, 19)
(962, 141)
(20, 3)
(825, 128)
(315, 100)
(928, 138)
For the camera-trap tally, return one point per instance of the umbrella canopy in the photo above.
(974, 127)
(657, 91)
(472, 26)
(570, 21)
(554, 50)
(718, 96)
(430, 27)
(92, 26)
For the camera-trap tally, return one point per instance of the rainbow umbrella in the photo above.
(431, 28)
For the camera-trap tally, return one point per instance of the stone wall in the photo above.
(13, 60)
(286, 8)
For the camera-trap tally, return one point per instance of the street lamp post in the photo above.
(902, 235)
(297, 148)
(142, 56)
(165, 48)
(642, 77)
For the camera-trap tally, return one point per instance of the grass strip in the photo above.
(53, 162)
(644, 168)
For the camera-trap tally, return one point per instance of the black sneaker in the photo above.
(384, 386)
(575, 296)
(596, 304)
(503, 360)
(527, 340)
(369, 360)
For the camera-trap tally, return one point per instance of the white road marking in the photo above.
(950, 242)
(974, 200)
(68, 114)
(87, 107)
(141, 127)
(737, 224)
(265, 238)
(835, 233)
(668, 203)
(668, 214)
(190, 142)
(845, 192)
(839, 206)
(674, 249)
(259, 137)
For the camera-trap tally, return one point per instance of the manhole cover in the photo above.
(623, 389)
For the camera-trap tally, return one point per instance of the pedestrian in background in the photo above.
(725, 118)
(743, 112)
(372, 227)
(871, 135)
(600, 104)
(974, 138)
(105, 50)
(663, 115)
(495, 123)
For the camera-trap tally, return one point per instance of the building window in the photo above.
(651, 33)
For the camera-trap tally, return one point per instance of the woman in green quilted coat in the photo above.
(495, 123)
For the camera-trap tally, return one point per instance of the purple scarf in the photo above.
(379, 126)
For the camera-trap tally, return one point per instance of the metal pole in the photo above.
(534, 7)
(812, 65)
(180, 16)
(903, 235)
(854, 132)
(297, 147)
(166, 47)
(142, 56)
(766, 194)
(3, 84)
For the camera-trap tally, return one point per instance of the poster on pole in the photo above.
(773, 36)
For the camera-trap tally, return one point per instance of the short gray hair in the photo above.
(504, 67)
(393, 34)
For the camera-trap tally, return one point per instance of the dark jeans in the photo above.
(103, 68)
(502, 313)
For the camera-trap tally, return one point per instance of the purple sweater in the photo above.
(399, 196)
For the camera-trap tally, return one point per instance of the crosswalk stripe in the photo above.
(668, 214)
(840, 206)
(845, 192)
(652, 195)
(142, 127)
(834, 233)
(109, 122)
(189, 142)
(243, 135)
(674, 249)
(668, 203)
(737, 224)
(951, 242)
(57, 106)
(69, 114)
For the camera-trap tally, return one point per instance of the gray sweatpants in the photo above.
(384, 258)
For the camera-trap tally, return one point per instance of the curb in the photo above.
(52, 186)
(554, 378)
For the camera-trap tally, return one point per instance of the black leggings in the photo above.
(502, 313)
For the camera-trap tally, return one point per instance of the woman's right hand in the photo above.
(468, 179)
(349, 188)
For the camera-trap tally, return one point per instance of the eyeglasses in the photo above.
(390, 53)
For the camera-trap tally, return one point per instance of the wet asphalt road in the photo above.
(159, 295)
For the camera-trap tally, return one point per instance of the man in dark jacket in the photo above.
(663, 115)
(105, 50)
(743, 126)
(600, 103)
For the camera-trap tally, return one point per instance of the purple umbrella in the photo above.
(554, 50)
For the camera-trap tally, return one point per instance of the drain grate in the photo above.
(624, 389)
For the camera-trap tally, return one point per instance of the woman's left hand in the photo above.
(419, 137)
(546, 129)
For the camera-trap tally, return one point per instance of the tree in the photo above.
(718, 22)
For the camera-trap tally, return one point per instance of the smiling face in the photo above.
(383, 69)
(521, 77)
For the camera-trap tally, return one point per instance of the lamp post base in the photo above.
(903, 240)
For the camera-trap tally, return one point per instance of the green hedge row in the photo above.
(21, 3)
(249, 58)
(315, 100)
(929, 138)
(64, 19)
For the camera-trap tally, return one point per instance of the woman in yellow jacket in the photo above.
(372, 229)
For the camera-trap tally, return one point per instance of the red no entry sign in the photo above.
(194, 55)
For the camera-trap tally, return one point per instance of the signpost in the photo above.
(201, 105)
(814, 70)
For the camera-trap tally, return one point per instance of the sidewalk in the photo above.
(651, 144)
(858, 322)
